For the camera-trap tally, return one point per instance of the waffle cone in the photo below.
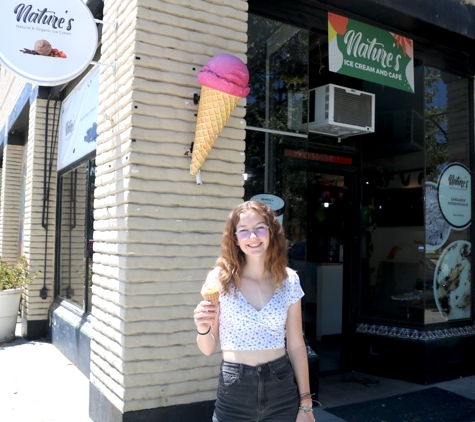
(212, 297)
(211, 294)
(213, 113)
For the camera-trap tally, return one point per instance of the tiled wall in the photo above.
(36, 237)
(10, 202)
(157, 233)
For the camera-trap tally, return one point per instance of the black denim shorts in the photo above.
(267, 392)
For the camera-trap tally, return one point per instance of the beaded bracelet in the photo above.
(203, 334)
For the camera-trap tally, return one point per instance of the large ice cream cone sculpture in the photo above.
(211, 294)
(213, 112)
(224, 79)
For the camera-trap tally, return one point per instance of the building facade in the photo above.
(377, 189)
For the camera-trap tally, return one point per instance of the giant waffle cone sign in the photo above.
(47, 42)
(225, 80)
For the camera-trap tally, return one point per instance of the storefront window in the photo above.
(448, 198)
(276, 114)
(414, 263)
(75, 224)
(278, 64)
(286, 178)
(416, 204)
(276, 142)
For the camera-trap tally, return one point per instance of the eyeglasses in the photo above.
(259, 231)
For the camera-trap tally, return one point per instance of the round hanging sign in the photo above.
(274, 202)
(47, 42)
(454, 195)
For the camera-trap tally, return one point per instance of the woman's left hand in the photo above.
(305, 417)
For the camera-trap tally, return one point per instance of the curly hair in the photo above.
(232, 259)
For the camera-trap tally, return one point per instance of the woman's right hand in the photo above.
(205, 315)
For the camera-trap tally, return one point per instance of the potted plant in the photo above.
(13, 278)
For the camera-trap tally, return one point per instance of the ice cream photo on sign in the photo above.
(44, 48)
(225, 80)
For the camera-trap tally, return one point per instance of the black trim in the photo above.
(34, 330)
(96, 7)
(102, 410)
(452, 45)
(471, 146)
(71, 307)
(82, 160)
(15, 139)
(430, 362)
(89, 160)
(57, 243)
(453, 18)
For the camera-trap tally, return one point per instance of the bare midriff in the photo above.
(252, 357)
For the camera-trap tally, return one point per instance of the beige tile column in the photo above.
(157, 233)
(38, 242)
(10, 202)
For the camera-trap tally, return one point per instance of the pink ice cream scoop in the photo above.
(226, 73)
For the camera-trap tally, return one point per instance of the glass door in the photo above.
(331, 212)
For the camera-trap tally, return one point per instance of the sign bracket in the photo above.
(113, 66)
(114, 24)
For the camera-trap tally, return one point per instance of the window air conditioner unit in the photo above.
(338, 111)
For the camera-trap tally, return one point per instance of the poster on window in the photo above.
(455, 197)
(78, 121)
(369, 53)
(452, 281)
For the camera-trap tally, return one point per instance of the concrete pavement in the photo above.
(39, 384)
(343, 389)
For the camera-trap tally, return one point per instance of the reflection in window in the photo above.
(407, 240)
(278, 62)
(447, 197)
(284, 176)
(276, 118)
(74, 274)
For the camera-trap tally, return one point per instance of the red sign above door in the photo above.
(335, 159)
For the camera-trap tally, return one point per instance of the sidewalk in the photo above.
(344, 389)
(40, 385)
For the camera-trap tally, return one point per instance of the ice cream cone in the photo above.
(213, 298)
(213, 113)
(211, 294)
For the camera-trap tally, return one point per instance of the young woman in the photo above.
(264, 373)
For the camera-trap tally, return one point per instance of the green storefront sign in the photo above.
(372, 54)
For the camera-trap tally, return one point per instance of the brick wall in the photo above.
(157, 233)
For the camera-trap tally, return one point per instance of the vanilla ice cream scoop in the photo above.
(43, 47)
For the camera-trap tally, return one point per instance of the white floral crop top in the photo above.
(242, 327)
